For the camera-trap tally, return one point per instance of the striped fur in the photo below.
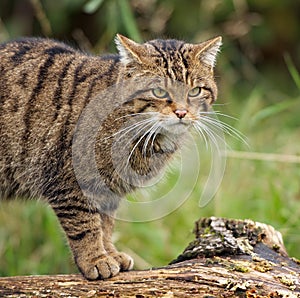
(44, 87)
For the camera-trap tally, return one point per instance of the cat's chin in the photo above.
(177, 126)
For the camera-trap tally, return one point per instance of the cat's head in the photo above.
(177, 78)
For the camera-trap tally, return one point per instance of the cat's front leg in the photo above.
(125, 261)
(84, 229)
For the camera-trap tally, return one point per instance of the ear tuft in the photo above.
(129, 50)
(208, 50)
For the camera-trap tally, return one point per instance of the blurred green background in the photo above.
(259, 84)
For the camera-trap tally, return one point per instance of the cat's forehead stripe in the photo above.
(172, 53)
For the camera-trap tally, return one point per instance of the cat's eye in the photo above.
(160, 93)
(195, 92)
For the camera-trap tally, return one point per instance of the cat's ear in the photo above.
(207, 51)
(129, 50)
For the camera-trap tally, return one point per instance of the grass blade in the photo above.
(292, 69)
(129, 21)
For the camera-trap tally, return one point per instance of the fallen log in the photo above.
(227, 258)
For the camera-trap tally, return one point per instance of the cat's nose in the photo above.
(180, 113)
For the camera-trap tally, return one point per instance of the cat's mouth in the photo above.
(178, 126)
(177, 122)
(180, 123)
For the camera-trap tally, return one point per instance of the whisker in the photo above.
(221, 128)
(211, 134)
(131, 127)
(136, 114)
(156, 132)
(220, 104)
(136, 133)
(152, 132)
(140, 130)
(217, 113)
(137, 143)
(201, 133)
(230, 130)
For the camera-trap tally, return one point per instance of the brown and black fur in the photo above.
(44, 87)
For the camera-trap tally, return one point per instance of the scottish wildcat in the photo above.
(46, 85)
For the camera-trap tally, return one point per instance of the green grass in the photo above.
(31, 240)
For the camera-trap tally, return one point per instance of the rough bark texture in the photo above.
(228, 258)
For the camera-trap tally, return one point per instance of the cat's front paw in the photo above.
(104, 267)
(124, 260)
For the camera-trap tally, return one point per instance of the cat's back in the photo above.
(44, 86)
(17, 51)
(33, 63)
(25, 60)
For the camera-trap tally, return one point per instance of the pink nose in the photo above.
(180, 113)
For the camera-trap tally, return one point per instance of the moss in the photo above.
(297, 261)
(209, 261)
(262, 265)
(285, 280)
(276, 247)
(262, 268)
(241, 268)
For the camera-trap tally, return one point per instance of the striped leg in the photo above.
(85, 231)
(125, 261)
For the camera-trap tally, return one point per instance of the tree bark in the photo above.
(227, 258)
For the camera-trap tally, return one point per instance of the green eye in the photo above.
(195, 92)
(160, 93)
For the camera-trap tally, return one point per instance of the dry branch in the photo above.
(228, 258)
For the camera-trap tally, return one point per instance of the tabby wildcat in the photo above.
(46, 85)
